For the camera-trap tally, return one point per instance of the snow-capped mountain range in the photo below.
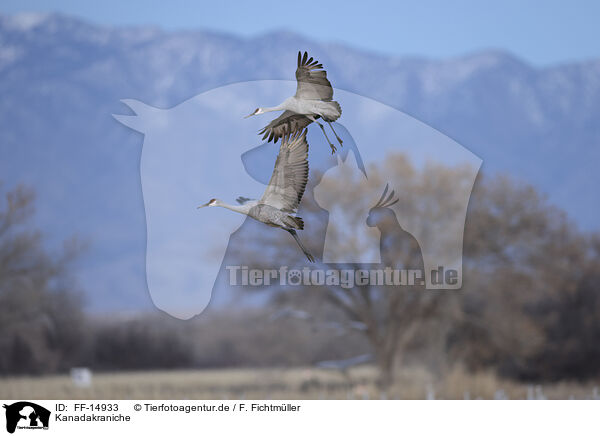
(61, 78)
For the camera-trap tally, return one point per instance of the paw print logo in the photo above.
(294, 277)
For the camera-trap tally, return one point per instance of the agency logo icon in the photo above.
(25, 415)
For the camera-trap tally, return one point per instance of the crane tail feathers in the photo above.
(298, 223)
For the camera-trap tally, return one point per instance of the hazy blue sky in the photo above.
(543, 32)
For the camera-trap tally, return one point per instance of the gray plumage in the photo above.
(243, 200)
(313, 100)
(283, 194)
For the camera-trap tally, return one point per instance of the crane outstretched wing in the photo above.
(290, 174)
(312, 80)
(244, 200)
(286, 124)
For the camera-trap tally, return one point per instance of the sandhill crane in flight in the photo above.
(313, 100)
(281, 198)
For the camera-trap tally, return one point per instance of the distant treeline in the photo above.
(529, 307)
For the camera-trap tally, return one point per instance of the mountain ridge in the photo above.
(61, 78)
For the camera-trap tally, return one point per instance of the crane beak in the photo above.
(204, 205)
(248, 116)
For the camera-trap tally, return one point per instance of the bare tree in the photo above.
(40, 311)
(530, 302)
(529, 281)
(390, 318)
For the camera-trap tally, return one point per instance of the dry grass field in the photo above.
(276, 383)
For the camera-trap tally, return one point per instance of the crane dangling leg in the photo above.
(333, 149)
(304, 250)
(314, 120)
(336, 135)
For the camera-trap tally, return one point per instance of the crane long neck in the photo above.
(274, 108)
(242, 208)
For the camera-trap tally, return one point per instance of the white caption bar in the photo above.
(248, 417)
